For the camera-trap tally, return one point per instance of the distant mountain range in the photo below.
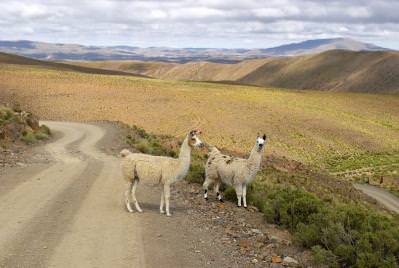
(50, 51)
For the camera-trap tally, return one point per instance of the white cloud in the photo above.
(221, 23)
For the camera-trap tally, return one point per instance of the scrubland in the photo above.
(339, 132)
(348, 135)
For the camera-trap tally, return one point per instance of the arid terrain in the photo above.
(318, 144)
(339, 132)
(336, 70)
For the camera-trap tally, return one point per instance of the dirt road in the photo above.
(69, 213)
(382, 196)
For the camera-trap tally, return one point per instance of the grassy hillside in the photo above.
(19, 60)
(197, 71)
(336, 70)
(336, 131)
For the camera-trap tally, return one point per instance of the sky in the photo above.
(199, 23)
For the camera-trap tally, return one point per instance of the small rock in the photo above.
(198, 251)
(228, 231)
(274, 239)
(219, 221)
(276, 259)
(289, 261)
(244, 243)
(253, 209)
(270, 246)
(254, 261)
(256, 231)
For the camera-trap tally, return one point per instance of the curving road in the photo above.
(382, 196)
(69, 213)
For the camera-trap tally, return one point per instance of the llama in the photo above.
(236, 172)
(157, 170)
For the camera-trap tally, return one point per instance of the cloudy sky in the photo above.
(199, 23)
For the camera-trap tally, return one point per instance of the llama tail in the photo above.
(124, 153)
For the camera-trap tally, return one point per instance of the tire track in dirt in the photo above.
(35, 243)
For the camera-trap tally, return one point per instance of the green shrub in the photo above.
(292, 206)
(6, 115)
(347, 235)
(230, 194)
(147, 143)
(324, 256)
(43, 133)
(45, 129)
(40, 135)
(28, 137)
(196, 173)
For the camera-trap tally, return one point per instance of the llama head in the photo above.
(260, 142)
(193, 139)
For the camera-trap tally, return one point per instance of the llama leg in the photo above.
(166, 190)
(238, 188)
(162, 202)
(244, 194)
(127, 197)
(205, 186)
(134, 196)
(218, 195)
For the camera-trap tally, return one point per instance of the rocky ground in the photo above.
(247, 238)
(22, 155)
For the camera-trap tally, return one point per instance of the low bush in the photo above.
(147, 143)
(346, 235)
(28, 137)
(196, 173)
(19, 127)
(6, 115)
(45, 129)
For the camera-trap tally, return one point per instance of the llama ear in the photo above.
(264, 136)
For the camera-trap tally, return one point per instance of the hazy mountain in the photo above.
(321, 45)
(50, 51)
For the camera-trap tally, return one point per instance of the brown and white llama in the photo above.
(236, 172)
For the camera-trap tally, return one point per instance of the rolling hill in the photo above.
(335, 70)
(6, 58)
(50, 51)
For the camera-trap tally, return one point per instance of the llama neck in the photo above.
(184, 159)
(254, 160)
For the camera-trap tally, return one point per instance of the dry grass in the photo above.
(336, 70)
(316, 128)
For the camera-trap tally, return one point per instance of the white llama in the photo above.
(236, 172)
(157, 170)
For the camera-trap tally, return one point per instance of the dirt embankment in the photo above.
(18, 130)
